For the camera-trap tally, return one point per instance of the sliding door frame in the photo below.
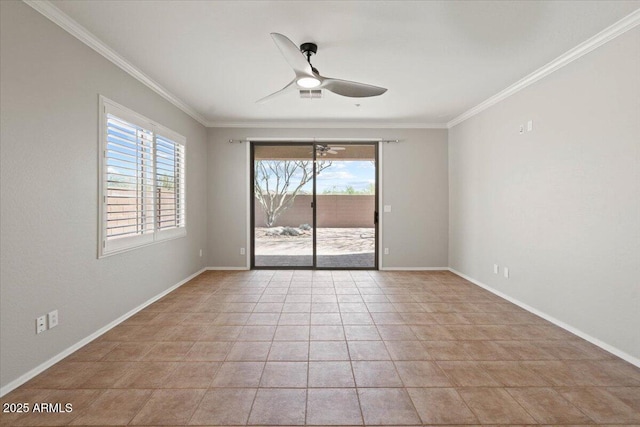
(311, 144)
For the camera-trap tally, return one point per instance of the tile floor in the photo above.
(334, 348)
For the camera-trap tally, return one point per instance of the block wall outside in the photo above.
(334, 211)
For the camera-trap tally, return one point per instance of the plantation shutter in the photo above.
(170, 183)
(142, 181)
(129, 182)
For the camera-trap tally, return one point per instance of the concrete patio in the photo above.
(336, 248)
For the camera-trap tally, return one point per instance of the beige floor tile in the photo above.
(396, 333)
(328, 350)
(279, 407)
(168, 351)
(421, 374)
(285, 375)
(629, 395)
(114, 407)
(146, 375)
(333, 407)
(547, 406)
(169, 407)
(292, 333)
(327, 333)
(105, 374)
(263, 319)
(389, 406)
(330, 374)
(203, 351)
(224, 407)
(64, 375)
(514, 374)
(326, 319)
(129, 351)
(192, 375)
(441, 406)
(289, 351)
(249, 350)
(419, 342)
(467, 374)
(495, 406)
(446, 350)
(294, 319)
(407, 350)
(93, 351)
(361, 333)
(221, 333)
(376, 374)
(238, 374)
(432, 333)
(357, 319)
(601, 406)
(368, 350)
(257, 333)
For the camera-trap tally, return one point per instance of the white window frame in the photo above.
(115, 246)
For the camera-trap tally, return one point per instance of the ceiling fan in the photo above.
(323, 150)
(308, 78)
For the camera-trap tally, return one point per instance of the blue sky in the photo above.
(342, 173)
(359, 174)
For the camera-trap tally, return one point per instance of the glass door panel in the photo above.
(283, 205)
(346, 205)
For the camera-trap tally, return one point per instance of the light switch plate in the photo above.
(387, 208)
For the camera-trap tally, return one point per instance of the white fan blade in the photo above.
(337, 148)
(332, 152)
(292, 54)
(351, 89)
(278, 93)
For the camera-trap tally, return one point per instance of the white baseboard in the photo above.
(414, 269)
(227, 268)
(603, 345)
(55, 359)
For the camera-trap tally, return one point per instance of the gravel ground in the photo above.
(330, 241)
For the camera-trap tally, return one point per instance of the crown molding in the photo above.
(64, 21)
(47, 8)
(622, 26)
(326, 124)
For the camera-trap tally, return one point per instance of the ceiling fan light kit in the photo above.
(308, 77)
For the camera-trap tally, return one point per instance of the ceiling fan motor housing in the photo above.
(309, 48)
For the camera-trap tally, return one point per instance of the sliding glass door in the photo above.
(314, 205)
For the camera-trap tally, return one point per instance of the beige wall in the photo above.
(559, 206)
(413, 178)
(49, 85)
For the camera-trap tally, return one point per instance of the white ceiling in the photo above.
(437, 58)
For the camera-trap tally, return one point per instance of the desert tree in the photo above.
(278, 182)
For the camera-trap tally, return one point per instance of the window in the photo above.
(142, 180)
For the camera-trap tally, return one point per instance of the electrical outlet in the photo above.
(242, 251)
(41, 324)
(386, 251)
(521, 131)
(496, 269)
(506, 272)
(53, 319)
